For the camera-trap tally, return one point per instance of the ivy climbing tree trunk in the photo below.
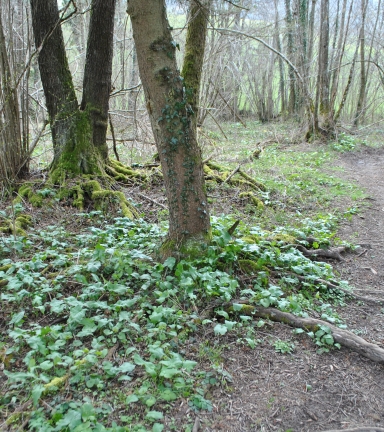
(79, 135)
(172, 104)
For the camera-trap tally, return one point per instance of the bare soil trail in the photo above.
(307, 391)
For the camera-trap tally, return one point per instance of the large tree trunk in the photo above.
(13, 156)
(98, 71)
(78, 136)
(169, 105)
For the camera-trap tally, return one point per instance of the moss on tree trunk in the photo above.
(78, 155)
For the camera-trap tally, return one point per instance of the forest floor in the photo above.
(263, 389)
(304, 391)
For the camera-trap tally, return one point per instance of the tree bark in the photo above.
(280, 61)
(169, 105)
(60, 97)
(363, 77)
(13, 160)
(292, 101)
(323, 79)
(98, 70)
(79, 135)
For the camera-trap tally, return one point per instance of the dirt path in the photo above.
(367, 229)
(306, 391)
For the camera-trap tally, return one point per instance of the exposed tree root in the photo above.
(343, 337)
(97, 188)
(26, 191)
(125, 173)
(333, 253)
(16, 226)
(253, 198)
(221, 174)
(102, 197)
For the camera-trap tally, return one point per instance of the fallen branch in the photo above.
(327, 253)
(341, 336)
(151, 200)
(231, 175)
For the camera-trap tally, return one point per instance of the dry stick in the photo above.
(218, 124)
(208, 158)
(151, 200)
(196, 425)
(37, 138)
(343, 337)
(113, 137)
(20, 409)
(231, 175)
(233, 227)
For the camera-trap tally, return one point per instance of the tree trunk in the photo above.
(12, 154)
(363, 77)
(78, 135)
(322, 119)
(323, 79)
(280, 61)
(98, 71)
(170, 106)
(339, 56)
(292, 102)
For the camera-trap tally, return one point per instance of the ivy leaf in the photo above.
(46, 365)
(220, 329)
(157, 427)
(87, 412)
(131, 399)
(237, 307)
(126, 367)
(328, 339)
(189, 365)
(169, 372)
(16, 319)
(36, 393)
(168, 395)
(230, 324)
(150, 401)
(265, 302)
(170, 263)
(223, 314)
(77, 314)
(154, 415)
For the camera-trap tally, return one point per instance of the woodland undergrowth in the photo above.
(96, 327)
(98, 333)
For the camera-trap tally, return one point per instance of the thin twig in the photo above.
(151, 200)
(231, 175)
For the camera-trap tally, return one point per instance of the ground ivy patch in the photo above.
(96, 327)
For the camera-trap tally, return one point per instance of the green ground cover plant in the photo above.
(97, 329)
(96, 326)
